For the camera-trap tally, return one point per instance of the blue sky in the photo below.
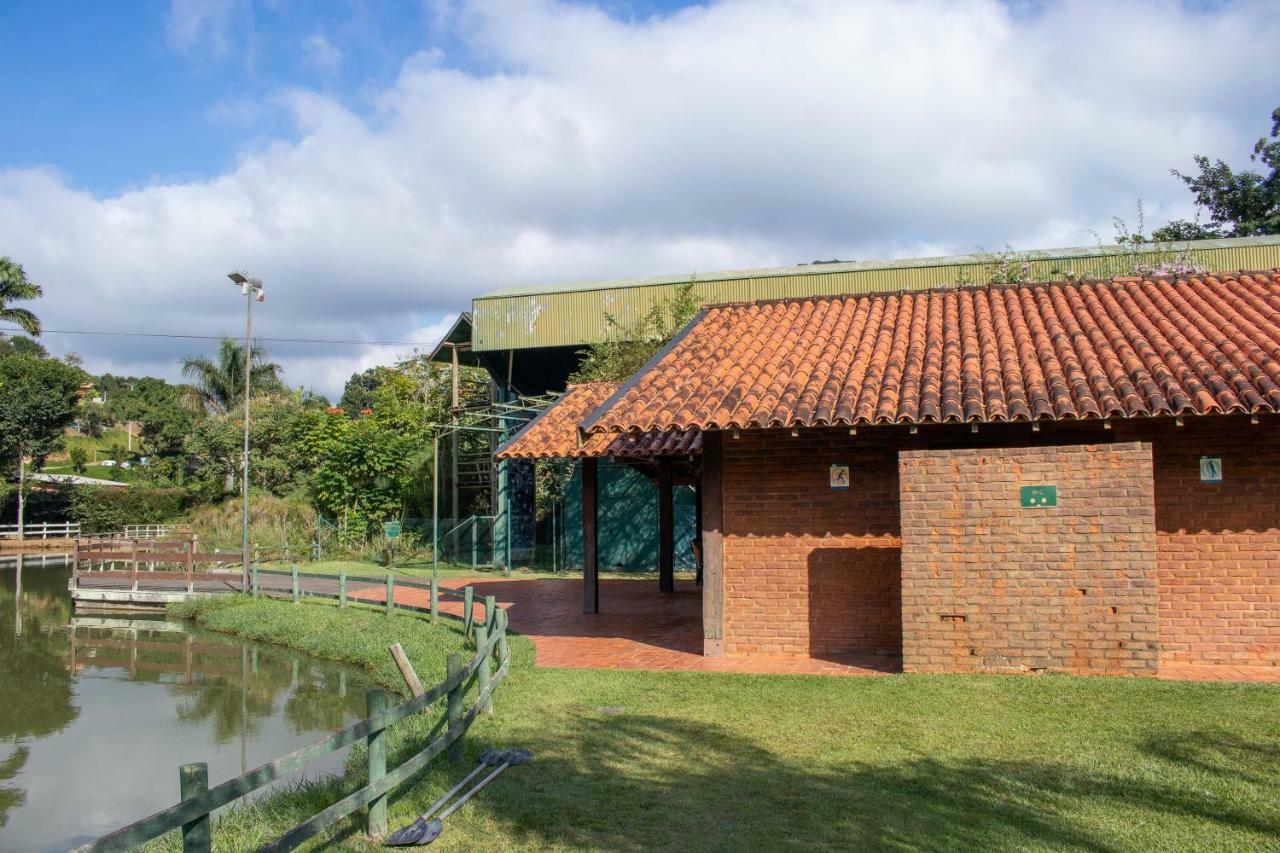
(111, 95)
(379, 163)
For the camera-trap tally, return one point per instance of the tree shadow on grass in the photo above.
(641, 782)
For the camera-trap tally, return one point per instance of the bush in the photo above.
(103, 510)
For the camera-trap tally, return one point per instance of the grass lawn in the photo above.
(701, 761)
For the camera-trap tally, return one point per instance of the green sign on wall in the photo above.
(1037, 497)
(392, 529)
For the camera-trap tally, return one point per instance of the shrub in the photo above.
(104, 510)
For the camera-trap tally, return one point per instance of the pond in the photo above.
(97, 713)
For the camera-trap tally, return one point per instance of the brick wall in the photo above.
(809, 569)
(1218, 545)
(988, 585)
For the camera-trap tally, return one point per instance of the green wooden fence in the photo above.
(191, 815)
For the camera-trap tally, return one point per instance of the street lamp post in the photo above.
(252, 289)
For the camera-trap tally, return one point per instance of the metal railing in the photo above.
(191, 815)
(42, 530)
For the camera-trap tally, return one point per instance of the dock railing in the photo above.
(174, 564)
(192, 814)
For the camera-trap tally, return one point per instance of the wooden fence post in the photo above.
(191, 567)
(435, 601)
(454, 712)
(502, 636)
(297, 593)
(254, 575)
(134, 576)
(391, 594)
(490, 607)
(375, 705)
(287, 557)
(342, 587)
(483, 673)
(468, 600)
(193, 780)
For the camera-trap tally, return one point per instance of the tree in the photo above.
(15, 287)
(1240, 204)
(37, 402)
(20, 345)
(218, 384)
(627, 348)
(357, 394)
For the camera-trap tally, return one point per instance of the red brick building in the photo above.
(1061, 477)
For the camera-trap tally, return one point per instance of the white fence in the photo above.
(43, 530)
(153, 531)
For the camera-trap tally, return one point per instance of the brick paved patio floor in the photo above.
(640, 628)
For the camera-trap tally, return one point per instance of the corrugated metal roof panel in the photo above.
(571, 315)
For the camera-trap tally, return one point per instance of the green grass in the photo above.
(702, 761)
(60, 463)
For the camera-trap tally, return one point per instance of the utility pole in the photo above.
(252, 289)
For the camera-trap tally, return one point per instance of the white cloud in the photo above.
(203, 24)
(321, 54)
(738, 134)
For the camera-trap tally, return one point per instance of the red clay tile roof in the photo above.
(554, 432)
(1128, 347)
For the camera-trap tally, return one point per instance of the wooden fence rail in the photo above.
(191, 815)
(42, 530)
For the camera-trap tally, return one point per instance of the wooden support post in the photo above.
(406, 670)
(502, 636)
(468, 608)
(297, 593)
(490, 607)
(391, 593)
(342, 587)
(483, 674)
(134, 576)
(191, 569)
(193, 780)
(666, 528)
(712, 544)
(590, 545)
(435, 600)
(286, 551)
(254, 579)
(375, 705)
(454, 708)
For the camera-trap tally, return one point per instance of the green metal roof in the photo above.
(574, 314)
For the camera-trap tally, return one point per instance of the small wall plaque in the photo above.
(839, 476)
(1211, 469)
(1038, 497)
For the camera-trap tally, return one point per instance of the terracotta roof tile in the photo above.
(1124, 348)
(554, 432)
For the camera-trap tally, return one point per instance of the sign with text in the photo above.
(392, 529)
(1038, 497)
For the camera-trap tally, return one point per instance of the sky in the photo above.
(379, 163)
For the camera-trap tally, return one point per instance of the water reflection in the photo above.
(100, 711)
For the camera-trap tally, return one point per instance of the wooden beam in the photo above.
(666, 529)
(590, 542)
(712, 493)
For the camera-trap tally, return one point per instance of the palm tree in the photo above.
(218, 383)
(14, 286)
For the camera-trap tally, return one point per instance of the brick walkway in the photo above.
(640, 628)
(637, 627)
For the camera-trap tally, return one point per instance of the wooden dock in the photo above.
(145, 575)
